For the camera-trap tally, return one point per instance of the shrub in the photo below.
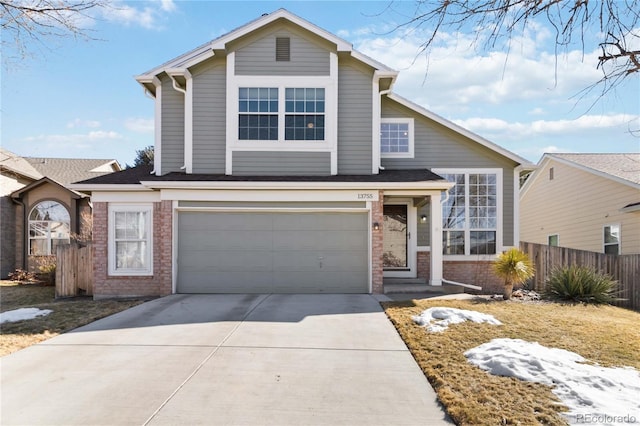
(580, 284)
(515, 267)
(22, 276)
(47, 268)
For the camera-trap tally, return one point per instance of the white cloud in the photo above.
(76, 139)
(148, 17)
(168, 5)
(83, 123)
(140, 125)
(545, 127)
(455, 75)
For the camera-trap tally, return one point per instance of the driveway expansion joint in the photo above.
(204, 361)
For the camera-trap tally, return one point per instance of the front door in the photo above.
(396, 251)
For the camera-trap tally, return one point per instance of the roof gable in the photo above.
(613, 166)
(207, 50)
(45, 180)
(621, 168)
(462, 131)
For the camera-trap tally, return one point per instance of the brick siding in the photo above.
(474, 272)
(376, 245)
(159, 284)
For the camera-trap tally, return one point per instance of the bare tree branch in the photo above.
(25, 22)
(499, 21)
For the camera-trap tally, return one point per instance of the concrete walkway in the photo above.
(224, 359)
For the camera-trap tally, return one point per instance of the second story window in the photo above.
(304, 119)
(258, 119)
(281, 114)
(396, 137)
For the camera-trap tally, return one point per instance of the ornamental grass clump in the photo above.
(581, 284)
(515, 267)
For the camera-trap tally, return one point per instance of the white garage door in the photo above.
(274, 252)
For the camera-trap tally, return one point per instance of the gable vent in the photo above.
(283, 49)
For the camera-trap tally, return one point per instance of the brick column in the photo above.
(376, 244)
(99, 252)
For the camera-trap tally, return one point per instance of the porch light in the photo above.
(376, 226)
(423, 218)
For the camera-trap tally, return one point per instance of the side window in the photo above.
(612, 239)
(553, 240)
(396, 137)
(130, 240)
(49, 226)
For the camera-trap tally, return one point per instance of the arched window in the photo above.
(48, 227)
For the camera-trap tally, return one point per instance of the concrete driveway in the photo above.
(224, 359)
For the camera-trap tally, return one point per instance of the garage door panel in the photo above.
(251, 252)
(318, 262)
(232, 260)
(319, 240)
(226, 282)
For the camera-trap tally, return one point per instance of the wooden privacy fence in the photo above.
(623, 268)
(74, 270)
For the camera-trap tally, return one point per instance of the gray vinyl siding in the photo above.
(437, 147)
(259, 56)
(354, 119)
(172, 143)
(281, 163)
(209, 117)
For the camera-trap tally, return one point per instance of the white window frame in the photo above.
(619, 243)
(557, 240)
(467, 229)
(400, 120)
(328, 82)
(48, 237)
(112, 252)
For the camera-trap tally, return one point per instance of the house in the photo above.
(39, 211)
(285, 163)
(584, 201)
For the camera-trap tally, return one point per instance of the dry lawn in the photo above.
(605, 335)
(67, 314)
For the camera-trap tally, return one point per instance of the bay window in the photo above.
(471, 213)
(130, 240)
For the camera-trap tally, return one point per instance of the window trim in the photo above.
(399, 120)
(557, 240)
(499, 210)
(118, 208)
(48, 237)
(282, 83)
(619, 243)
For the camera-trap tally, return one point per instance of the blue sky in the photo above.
(75, 98)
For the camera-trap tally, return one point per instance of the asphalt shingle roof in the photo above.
(68, 170)
(623, 166)
(142, 173)
(17, 164)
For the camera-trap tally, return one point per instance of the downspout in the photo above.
(187, 116)
(382, 93)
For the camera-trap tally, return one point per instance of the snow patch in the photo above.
(23, 314)
(443, 317)
(590, 391)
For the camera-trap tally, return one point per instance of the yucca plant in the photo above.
(581, 284)
(515, 267)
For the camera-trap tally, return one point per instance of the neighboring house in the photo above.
(285, 163)
(584, 201)
(38, 209)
